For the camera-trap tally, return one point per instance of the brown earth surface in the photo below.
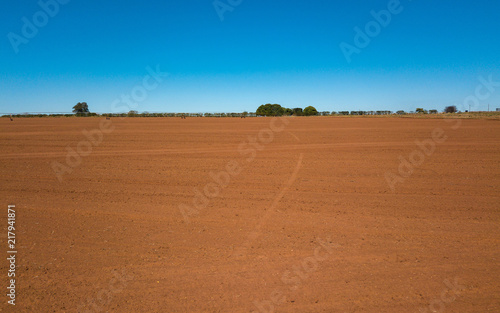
(298, 218)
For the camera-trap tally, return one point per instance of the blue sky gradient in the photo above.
(430, 55)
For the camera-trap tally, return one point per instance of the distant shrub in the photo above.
(310, 110)
(450, 109)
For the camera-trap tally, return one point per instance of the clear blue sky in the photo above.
(430, 55)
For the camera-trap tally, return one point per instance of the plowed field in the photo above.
(317, 214)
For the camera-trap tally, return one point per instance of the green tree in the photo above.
(262, 110)
(450, 109)
(270, 110)
(81, 107)
(310, 110)
(421, 111)
(297, 111)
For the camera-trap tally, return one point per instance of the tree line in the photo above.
(273, 110)
(277, 110)
(82, 109)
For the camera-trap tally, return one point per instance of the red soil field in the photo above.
(318, 214)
